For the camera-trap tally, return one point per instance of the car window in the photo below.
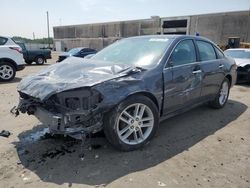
(89, 50)
(206, 51)
(220, 55)
(184, 53)
(83, 51)
(3, 40)
(86, 50)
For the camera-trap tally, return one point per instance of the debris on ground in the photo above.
(161, 184)
(96, 146)
(5, 133)
(96, 156)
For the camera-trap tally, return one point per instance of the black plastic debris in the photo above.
(5, 133)
(96, 146)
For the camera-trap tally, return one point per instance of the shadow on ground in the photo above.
(34, 64)
(15, 80)
(57, 160)
(244, 84)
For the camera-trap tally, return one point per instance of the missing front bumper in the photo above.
(61, 124)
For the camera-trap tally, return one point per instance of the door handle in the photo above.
(221, 66)
(197, 71)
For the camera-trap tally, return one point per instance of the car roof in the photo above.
(169, 36)
(239, 49)
(180, 37)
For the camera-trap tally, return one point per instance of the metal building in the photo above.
(217, 27)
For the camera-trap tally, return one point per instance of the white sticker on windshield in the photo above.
(158, 40)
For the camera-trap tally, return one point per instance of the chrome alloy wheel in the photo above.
(224, 93)
(135, 124)
(6, 72)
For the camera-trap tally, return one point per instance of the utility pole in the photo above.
(48, 27)
(34, 36)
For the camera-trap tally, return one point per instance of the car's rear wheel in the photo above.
(40, 60)
(7, 71)
(132, 123)
(222, 96)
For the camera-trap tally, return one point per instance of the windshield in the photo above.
(74, 50)
(141, 52)
(238, 54)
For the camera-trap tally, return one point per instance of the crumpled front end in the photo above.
(73, 96)
(243, 73)
(69, 112)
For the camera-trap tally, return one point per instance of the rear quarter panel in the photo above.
(6, 52)
(230, 69)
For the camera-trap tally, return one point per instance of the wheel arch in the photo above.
(229, 77)
(148, 95)
(39, 55)
(9, 61)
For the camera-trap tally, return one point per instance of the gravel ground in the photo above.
(200, 148)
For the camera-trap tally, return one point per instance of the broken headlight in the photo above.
(85, 99)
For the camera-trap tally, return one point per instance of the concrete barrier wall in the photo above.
(217, 27)
(95, 43)
(112, 29)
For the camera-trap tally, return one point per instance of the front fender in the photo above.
(115, 91)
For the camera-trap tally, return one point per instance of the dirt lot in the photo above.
(200, 148)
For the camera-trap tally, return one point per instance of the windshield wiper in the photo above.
(132, 69)
(140, 68)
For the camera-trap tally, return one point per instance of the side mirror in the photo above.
(170, 62)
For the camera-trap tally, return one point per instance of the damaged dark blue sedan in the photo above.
(127, 88)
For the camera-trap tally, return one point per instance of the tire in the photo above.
(7, 71)
(39, 60)
(222, 96)
(114, 127)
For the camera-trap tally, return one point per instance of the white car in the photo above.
(242, 59)
(11, 59)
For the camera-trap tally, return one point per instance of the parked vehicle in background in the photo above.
(128, 87)
(242, 59)
(11, 59)
(38, 56)
(76, 52)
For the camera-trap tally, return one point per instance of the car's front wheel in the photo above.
(222, 96)
(7, 71)
(132, 123)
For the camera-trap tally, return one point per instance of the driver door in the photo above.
(182, 77)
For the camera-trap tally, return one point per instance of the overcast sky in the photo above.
(23, 17)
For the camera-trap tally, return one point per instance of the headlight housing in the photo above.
(82, 99)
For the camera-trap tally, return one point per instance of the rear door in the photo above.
(212, 67)
(182, 77)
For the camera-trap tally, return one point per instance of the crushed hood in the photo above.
(242, 62)
(70, 74)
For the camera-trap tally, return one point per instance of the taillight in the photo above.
(17, 49)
